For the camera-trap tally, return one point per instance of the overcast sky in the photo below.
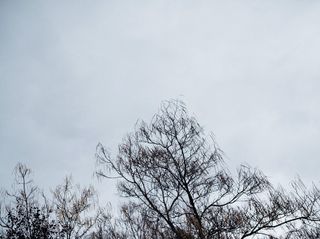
(75, 73)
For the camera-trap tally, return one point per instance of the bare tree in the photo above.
(134, 221)
(107, 226)
(76, 209)
(177, 177)
(22, 216)
(141, 223)
(73, 212)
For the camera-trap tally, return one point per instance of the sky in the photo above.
(76, 73)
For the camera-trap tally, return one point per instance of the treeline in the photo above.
(69, 212)
(177, 186)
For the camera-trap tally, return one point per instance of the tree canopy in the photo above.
(179, 186)
(175, 185)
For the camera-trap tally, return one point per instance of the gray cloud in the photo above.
(75, 74)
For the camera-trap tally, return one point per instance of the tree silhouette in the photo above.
(24, 218)
(178, 187)
(72, 212)
(74, 208)
(175, 176)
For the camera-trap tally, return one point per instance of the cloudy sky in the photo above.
(75, 73)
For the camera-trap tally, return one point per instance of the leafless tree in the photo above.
(134, 221)
(76, 209)
(141, 223)
(176, 175)
(22, 216)
(73, 212)
(107, 226)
